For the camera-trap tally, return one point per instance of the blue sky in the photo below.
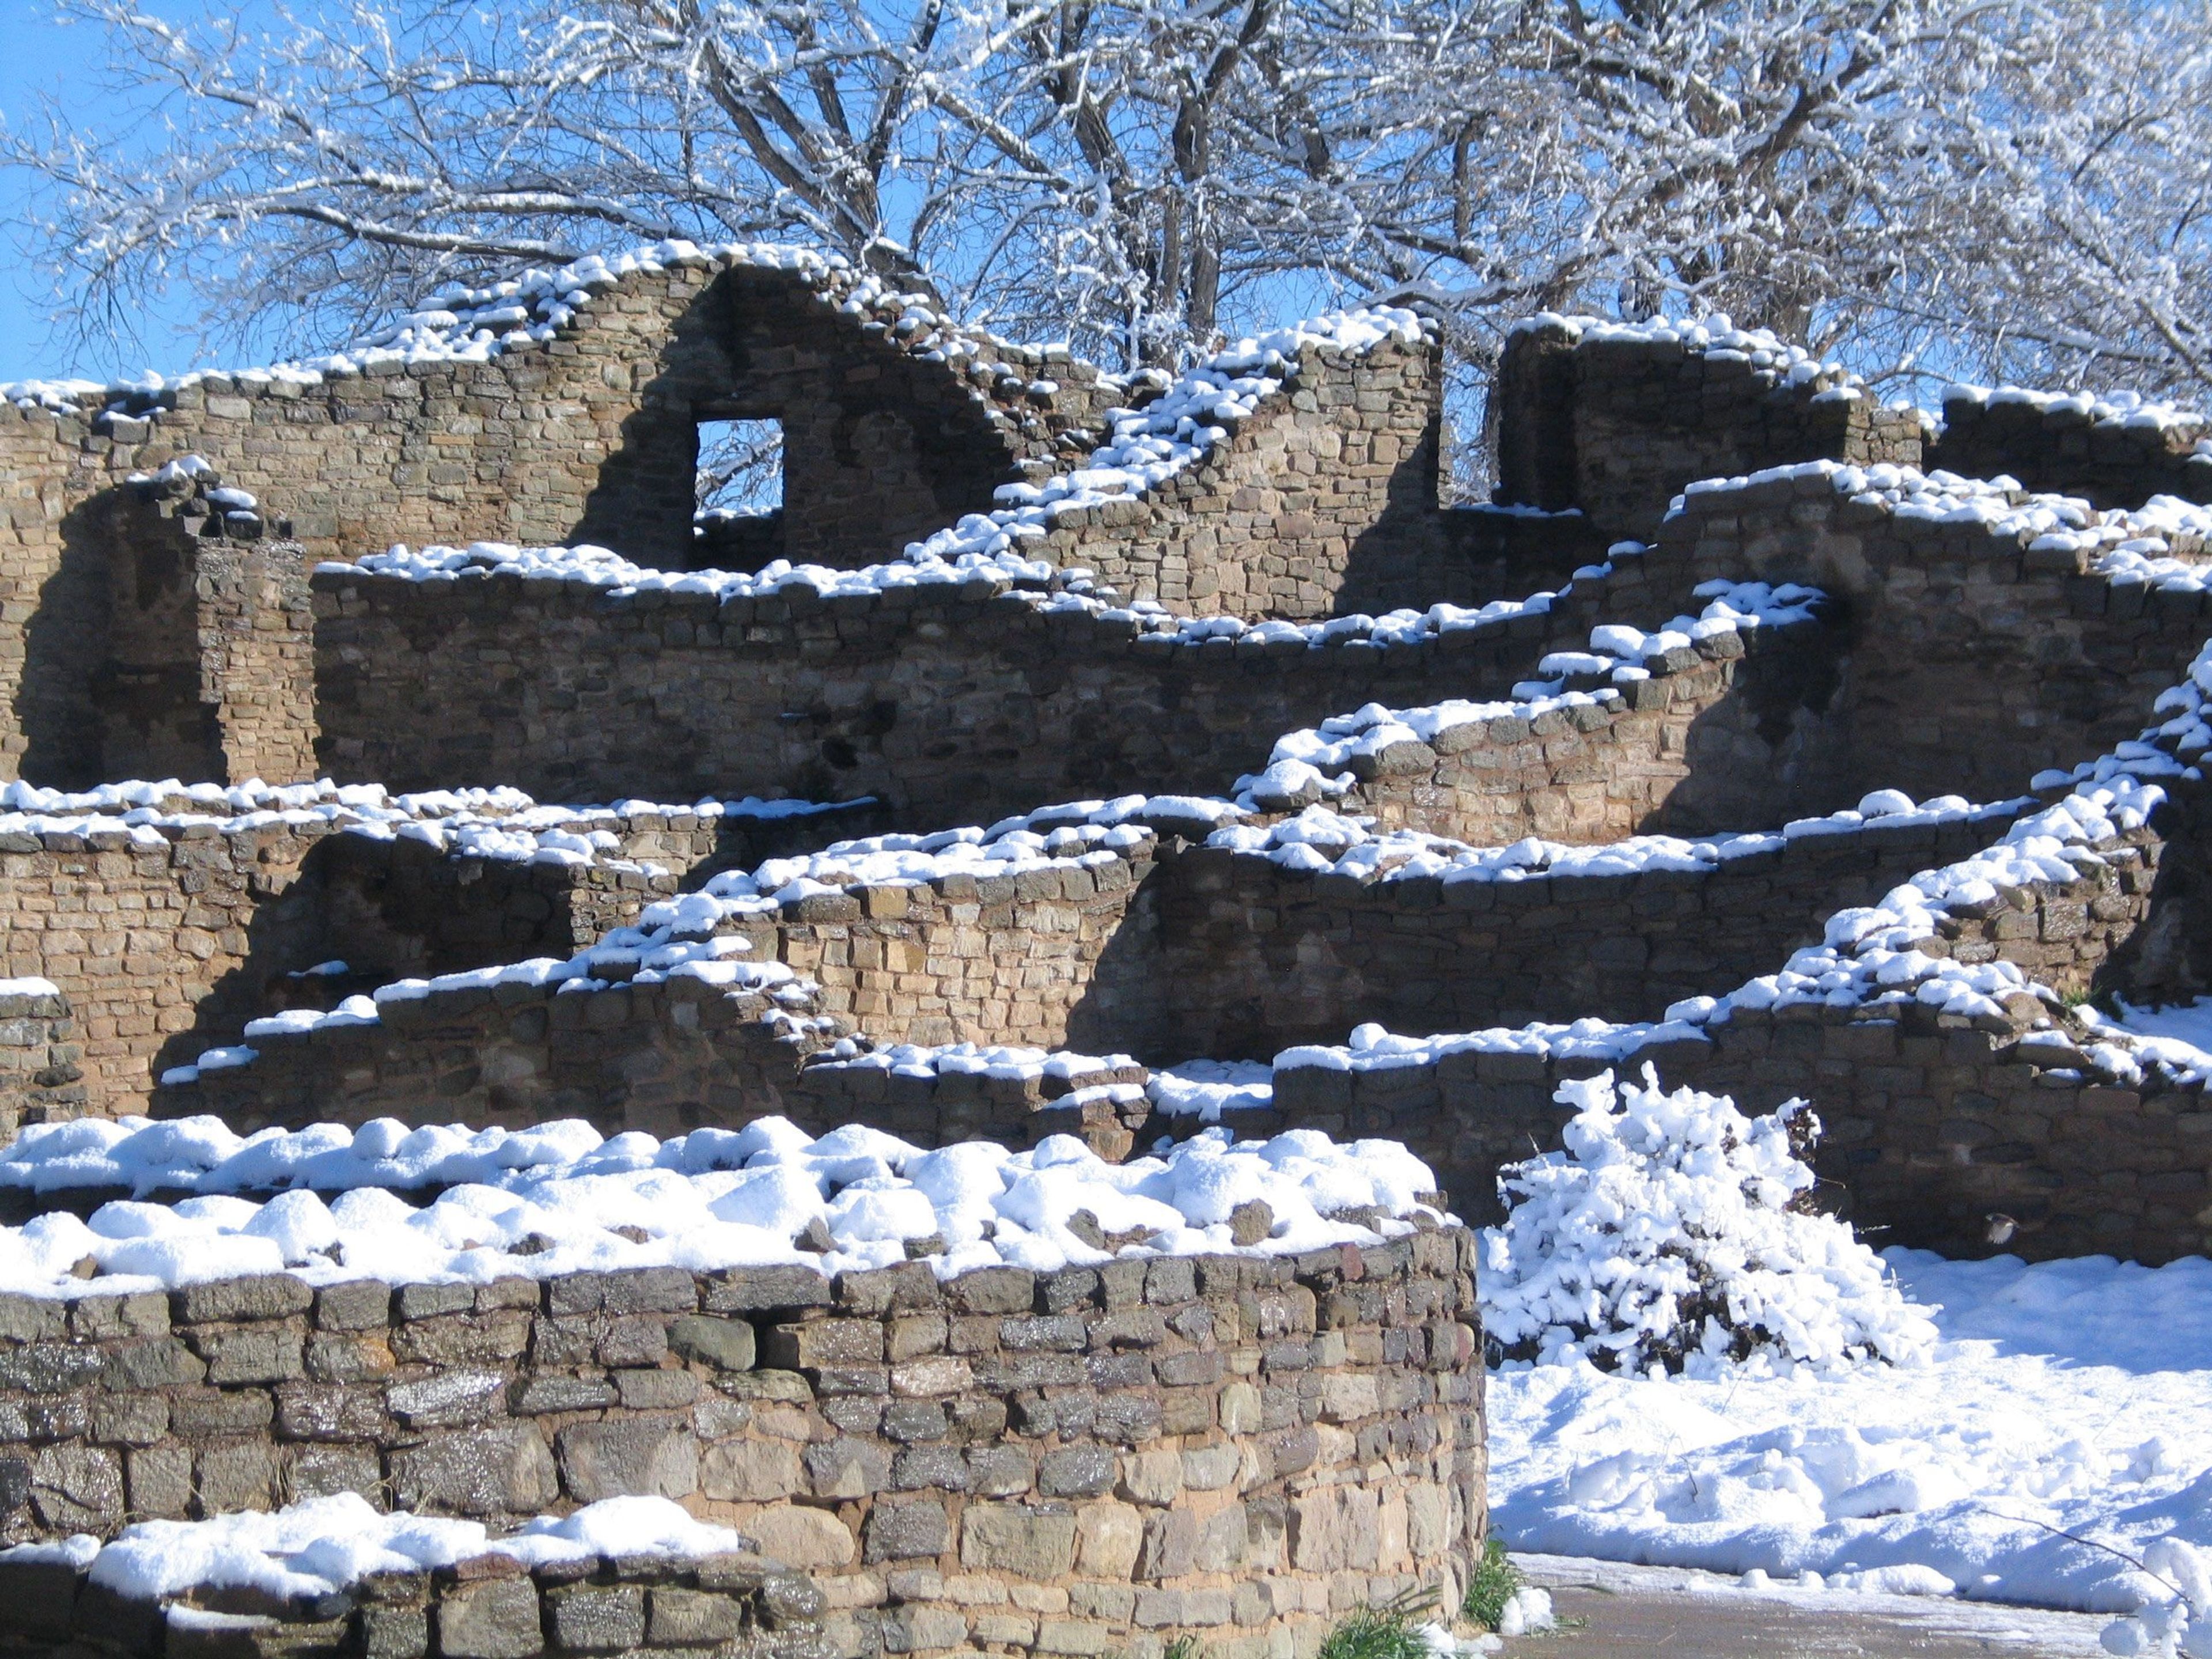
(39, 56)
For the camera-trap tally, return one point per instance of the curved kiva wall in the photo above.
(1245, 1446)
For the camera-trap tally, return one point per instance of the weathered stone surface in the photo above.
(905, 1528)
(480, 1472)
(641, 1456)
(725, 1344)
(598, 1618)
(1013, 1538)
(498, 1619)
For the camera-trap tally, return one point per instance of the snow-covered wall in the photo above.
(2117, 451)
(1613, 418)
(564, 407)
(167, 916)
(952, 688)
(1219, 1388)
(1988, 632)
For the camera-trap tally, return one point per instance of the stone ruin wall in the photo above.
(1970, 660)
(1319, 504)
(950, 705)
(1326, 499)
(1615, 426)
(162, 942)
(1726, 748)
(1176, 950)
(1065, 1464)
(1933, 1121)
(2024, 661)
(2113, 462)
(593, 433)
(485, 1607)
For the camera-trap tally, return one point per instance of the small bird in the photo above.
(2001, 1228)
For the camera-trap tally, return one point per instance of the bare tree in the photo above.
(1925, 186)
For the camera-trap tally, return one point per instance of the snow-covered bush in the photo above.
(1673, 1230)
(2178, 1625)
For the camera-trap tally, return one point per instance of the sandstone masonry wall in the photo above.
(1615, 424)
(2060, 446)
(1970, 662)
(165, 939)
(1734, 732)
(1254, 957)
(1322, 501)
(591, 434)
(480, 1608)
(1244, 1446)
(1933, 1121)
(1176, 950)
(950, 706)
(665, 1055)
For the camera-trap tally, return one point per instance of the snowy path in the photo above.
(1624, 1613)
(2067, 1397)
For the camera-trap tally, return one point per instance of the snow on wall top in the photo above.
(1319, 841)
(2044, 522)
(204, 1155)
(1144, 448)
(1868, 958)
(1313, 759)
(720, 1198)
(1773, 359)
(463, 325)
(1780, 363)
(499, 823)
(322, 1546)
(2130, 410)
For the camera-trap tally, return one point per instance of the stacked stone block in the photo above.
(165, 939)
(1616, 425)
(482, 1607)
(593, 433)
(1733, 731)
(41, 1056)
(1933, 1122)
(2059, 446)
(1245, 1446)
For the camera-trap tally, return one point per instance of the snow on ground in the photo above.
(2070, 1397)
(2180, 1022)
(722, 1198)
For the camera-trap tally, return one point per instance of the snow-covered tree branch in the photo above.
(2000, 187)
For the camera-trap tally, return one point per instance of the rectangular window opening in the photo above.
(740, 469)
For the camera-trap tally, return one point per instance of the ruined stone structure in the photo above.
(1059, 729)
